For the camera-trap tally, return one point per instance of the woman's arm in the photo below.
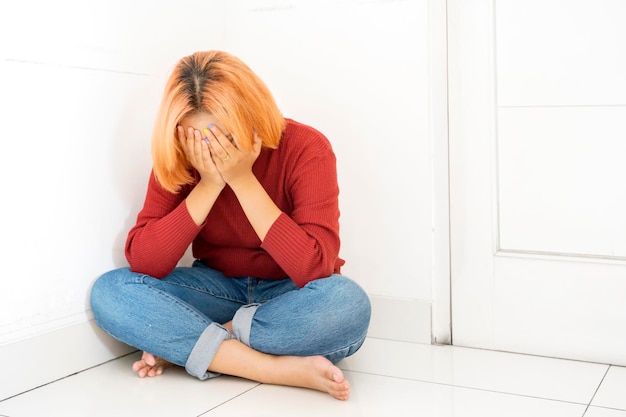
(304, 244)
(162, 233)
(167, 224)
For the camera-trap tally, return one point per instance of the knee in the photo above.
(357, 299)
(350, 301)
(106, 290)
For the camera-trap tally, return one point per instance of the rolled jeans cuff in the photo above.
(204, 350)
(242, 322)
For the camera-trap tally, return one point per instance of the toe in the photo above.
(138, 365)
(149, 359)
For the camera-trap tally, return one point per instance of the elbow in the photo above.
(323, 268)
(148, 267)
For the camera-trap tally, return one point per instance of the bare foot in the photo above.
(329, 378)
(315, 372)
(150, 365)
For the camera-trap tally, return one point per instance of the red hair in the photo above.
(222, 85)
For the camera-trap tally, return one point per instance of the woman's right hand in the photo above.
(199, 156)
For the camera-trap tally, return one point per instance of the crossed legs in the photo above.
(281, 362)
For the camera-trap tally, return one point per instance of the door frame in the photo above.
(441, 330)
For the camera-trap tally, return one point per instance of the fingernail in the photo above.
(206, 130)
(211, 126)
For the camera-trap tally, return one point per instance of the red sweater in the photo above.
(302, 244)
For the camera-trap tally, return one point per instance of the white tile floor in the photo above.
(388, 378)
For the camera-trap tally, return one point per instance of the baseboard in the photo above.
(29, 363)
(401, 319)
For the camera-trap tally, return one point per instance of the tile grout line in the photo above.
(471, 388)
(228, 400)
(62, 378)
(597, 389)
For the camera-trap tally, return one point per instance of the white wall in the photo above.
(361, 72)
(79, 86)
(78, 95)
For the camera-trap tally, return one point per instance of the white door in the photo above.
(538, 176)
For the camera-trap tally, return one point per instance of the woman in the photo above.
(256, 196)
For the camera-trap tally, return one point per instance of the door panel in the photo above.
(559, 171)
(537, 193)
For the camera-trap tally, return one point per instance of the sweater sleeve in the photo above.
(163, 232)
(306, 243)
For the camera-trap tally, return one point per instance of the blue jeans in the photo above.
(178, 318)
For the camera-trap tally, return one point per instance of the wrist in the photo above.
(210, 187)
(242, 182)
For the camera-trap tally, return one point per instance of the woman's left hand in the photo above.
(231, 160)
